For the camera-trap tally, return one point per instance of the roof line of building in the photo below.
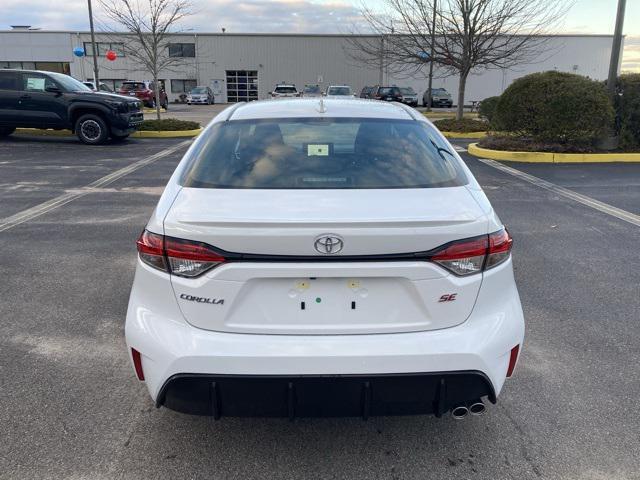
(227, 34)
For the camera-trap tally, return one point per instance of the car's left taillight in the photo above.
(473, 255)
(184, 258)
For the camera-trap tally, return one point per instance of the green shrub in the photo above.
(169, 124)
(555, 107)
(465, 125)
(628, 110)
(512, 143)
(488, 107)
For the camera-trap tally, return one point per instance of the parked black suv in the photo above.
(34, 99)
(390, 94)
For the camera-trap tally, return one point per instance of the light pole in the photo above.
(433, 41)
(615, 49)
(96, 80)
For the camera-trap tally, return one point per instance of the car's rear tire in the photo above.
(165, 105)
(91, 129)
(6, 131)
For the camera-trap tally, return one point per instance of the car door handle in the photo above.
(25, 97)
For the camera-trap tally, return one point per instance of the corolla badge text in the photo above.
(192, 298)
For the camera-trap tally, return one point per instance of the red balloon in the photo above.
(111, 55)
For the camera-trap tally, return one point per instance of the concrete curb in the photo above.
(464, 134)
(166, 133)
(547, 157)
(136, 134)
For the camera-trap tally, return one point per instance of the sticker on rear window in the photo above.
(317, 150)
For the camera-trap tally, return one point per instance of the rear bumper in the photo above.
(177, 356)
(323, 396)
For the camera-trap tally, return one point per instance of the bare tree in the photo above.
(458, 36)
(150, 24)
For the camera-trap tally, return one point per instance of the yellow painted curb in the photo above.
(166, 133)
(465, 134)
(43, 133)
(547, 157)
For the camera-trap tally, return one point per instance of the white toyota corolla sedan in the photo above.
(323, 258)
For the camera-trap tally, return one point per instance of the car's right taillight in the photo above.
(500, 244)
(473, 255)
(177, 256)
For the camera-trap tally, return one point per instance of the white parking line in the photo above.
(42, 208)
(459, 148)
(565, 192)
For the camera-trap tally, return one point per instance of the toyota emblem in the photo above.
(328, 244)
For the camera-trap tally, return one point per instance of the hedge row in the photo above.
(628, 110)
(566, 109)
(169, 125)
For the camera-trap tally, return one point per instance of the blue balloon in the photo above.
(78, 52)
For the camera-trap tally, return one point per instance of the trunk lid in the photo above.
(336, 295)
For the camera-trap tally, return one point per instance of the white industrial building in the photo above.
(242, 67)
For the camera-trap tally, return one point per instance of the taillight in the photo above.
(473, 255)
(463, 257)
(151, 250)
(190, 259)
(500, 244)
(184, 258)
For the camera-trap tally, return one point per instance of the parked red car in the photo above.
(145, 91)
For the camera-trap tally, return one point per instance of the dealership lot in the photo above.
(70, 406)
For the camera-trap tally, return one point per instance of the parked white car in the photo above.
(328, 258)
(285, 90)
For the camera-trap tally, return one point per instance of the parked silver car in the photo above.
(409, 96)
(439, 98)
(339, 91)
(311, 90)
(201, 95)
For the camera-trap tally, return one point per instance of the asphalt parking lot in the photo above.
(71, 408)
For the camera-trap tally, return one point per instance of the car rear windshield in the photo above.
(311, 89)
(285, 89)
(339, 91)
(328, 153)
(132, 86)
(389, 91)
(407, 91)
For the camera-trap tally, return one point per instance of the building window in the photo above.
(59, 67)
(182, 49)
(242, 85)
(183, 86)
(103, 48)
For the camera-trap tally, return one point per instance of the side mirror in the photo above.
(51, 89)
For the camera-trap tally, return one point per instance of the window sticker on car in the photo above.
(35, 84)
(314, 150)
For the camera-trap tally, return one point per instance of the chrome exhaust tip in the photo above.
(477, 408)
(459, 412)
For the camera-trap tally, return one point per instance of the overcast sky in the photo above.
(303, 16)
